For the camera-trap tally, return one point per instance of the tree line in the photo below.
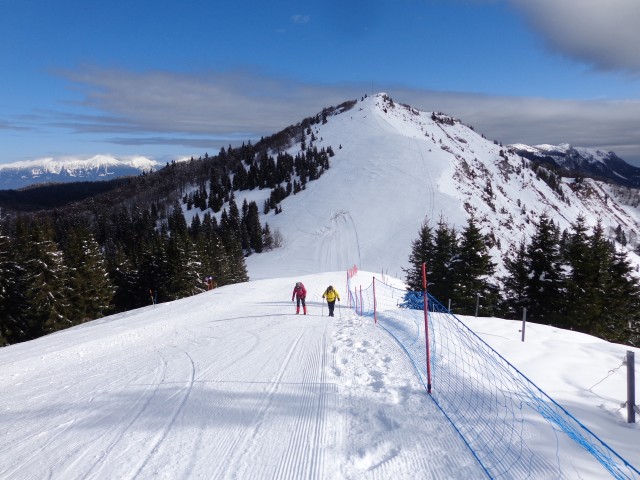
(59, 271)
(573, 279)
(132, 244)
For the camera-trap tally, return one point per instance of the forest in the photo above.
(574, 279)
(69, 255)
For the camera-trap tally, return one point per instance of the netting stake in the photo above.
(631, 388)
(426, 324)
(375, 311)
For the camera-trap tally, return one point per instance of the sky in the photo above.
(168, 79)
(231, 383)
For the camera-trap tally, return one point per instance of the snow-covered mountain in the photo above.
(395, 166)
(587, 161)
(57, 170)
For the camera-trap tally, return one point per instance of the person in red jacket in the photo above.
(300, 293)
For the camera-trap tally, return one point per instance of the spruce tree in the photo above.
(473, 270)
(11, 294)
(442, 271)
(593, 320)
(581, 280)
(421, 252)
(622, 311)
(46, 280)
(90, 288)
(545, 289)
(254, 229)
(515, 283)
(185, 275)
(126, 281)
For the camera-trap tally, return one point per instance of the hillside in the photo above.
(395, 167)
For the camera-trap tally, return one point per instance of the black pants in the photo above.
(331, 306)
(300, 299)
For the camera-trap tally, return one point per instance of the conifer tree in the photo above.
(267, 237)
(126, 281)
(212, 251)
(185, 275)
(473, 270)
(546, 286)
(622, 311)
(11, 296)
(154, 270)
(594, 305)
(421, 252)
(46, 292)
(90, 288)
(442, 270)
(254, 229)
(515, 283)
(582, 278)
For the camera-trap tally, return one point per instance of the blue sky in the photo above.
(172, 78)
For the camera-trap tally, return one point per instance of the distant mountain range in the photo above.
(583, 161)
(49, 170)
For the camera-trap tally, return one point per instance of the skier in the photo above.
(300, 293)
(331, 295)
(211, 283)
(153, 294)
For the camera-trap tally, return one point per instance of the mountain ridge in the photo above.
(63, 170)
(425, 165)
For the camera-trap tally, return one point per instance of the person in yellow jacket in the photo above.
(331, 295)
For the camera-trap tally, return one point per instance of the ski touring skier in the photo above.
(331, 295)
(300, 294)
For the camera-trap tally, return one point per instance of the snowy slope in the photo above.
(227, 384)
(394, 167)
(232, 384)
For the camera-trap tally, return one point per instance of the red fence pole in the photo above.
(426, 324)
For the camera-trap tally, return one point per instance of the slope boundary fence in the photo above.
(505, 419)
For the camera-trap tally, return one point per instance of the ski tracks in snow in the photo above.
(379, 386)
(291, 408)
(204, 395)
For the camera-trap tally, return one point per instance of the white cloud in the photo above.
(602, 33)
(245, 105)
(301, 18)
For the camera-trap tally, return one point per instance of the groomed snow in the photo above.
(232, 384)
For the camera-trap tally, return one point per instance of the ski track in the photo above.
(205, 395)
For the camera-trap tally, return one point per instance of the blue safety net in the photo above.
(514, 429)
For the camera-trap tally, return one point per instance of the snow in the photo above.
(233, 384)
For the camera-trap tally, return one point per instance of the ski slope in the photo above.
(232, 384)
(226, 384)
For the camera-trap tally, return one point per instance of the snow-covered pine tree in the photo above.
(546, 284)
(91, 290)
(473, 268)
